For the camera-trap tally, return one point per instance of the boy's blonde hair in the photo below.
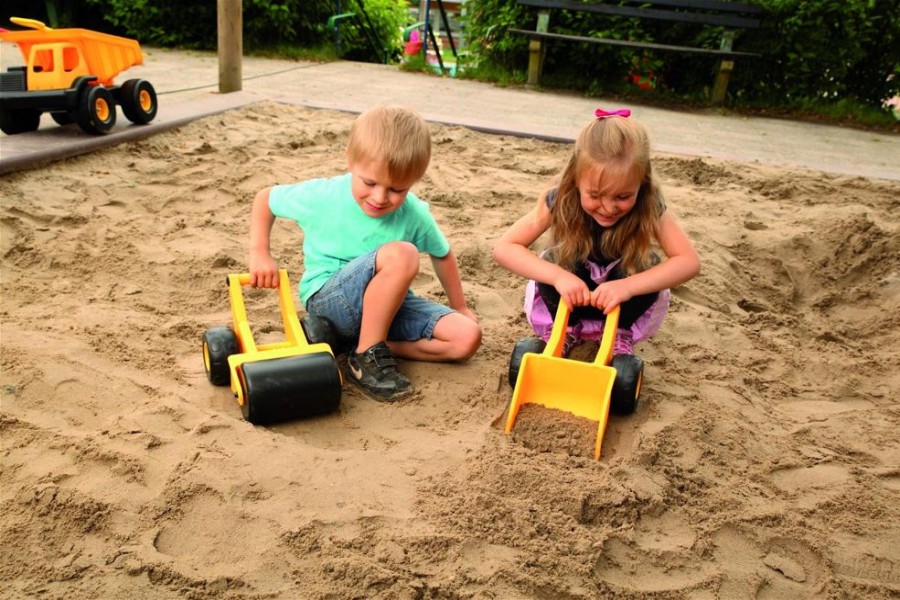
(393, 135)
(622, 147)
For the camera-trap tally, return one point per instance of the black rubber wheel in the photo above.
(138, 100)
(528, 344)
(627, 385)
(62, 118)
(318, 330)
(19, 121)
(96, 112)
(282, 389)
(218, 344)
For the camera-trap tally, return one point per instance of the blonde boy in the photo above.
(363, 233)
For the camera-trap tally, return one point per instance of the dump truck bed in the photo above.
(106, 55)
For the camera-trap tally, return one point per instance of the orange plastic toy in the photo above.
(69, 73)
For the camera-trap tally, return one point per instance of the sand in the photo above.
(763, 460)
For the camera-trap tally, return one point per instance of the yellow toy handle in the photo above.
(30, 23)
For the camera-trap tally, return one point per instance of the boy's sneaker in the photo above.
(624, 342)
(375, 371)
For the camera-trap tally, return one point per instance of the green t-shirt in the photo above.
(336, 230)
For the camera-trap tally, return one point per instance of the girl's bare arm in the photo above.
(681, 264)
(512, 251)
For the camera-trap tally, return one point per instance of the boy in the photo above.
(363, 232)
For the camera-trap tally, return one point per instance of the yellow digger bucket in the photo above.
(581, 388)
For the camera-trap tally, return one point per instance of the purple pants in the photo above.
(589, 329)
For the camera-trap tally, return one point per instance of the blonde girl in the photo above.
(606, 217)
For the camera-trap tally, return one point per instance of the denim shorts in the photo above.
(340, 300)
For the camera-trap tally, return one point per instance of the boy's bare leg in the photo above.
(396, 265)
(455, 337)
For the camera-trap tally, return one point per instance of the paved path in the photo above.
(187, 85)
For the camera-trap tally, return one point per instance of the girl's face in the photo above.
(376, 193)
(608, 198)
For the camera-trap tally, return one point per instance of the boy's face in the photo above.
(374, 190)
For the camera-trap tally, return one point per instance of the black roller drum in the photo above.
(281, 389)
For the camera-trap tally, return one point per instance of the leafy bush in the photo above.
(826, 50)
(267, 23)
(387, 18)
(486, 23)
(54, 13)
(162, 22)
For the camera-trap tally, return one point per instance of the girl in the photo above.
(604, 213)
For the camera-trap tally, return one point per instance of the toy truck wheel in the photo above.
(318, 330)
(218, 344)
(96, 112)
(627, 385)
(282, 389)
(19, 121)
(138, 100)
(62, 118)
(524, 345)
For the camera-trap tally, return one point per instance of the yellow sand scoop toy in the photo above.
(278, 381)
(540, 375)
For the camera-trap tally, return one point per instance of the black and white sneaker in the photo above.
(375, 371)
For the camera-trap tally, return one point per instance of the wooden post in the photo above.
(724, 71)
(231, 45)
(721, 84)
(535, 51)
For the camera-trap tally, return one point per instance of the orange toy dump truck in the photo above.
(69, 73)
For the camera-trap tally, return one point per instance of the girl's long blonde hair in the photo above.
(621, 146)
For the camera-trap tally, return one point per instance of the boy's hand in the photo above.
(263, 272)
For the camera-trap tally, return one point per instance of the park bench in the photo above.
(730, 16)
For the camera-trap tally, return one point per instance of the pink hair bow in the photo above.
(602, 114)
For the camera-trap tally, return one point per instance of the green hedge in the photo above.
(817, 50)
(828, 49)
(193, 24)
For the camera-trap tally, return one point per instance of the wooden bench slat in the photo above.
(716, 5)
(712, 5)
(649, 45)
(648, 13)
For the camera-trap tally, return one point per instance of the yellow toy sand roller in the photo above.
(273, 382)
(540, 375)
